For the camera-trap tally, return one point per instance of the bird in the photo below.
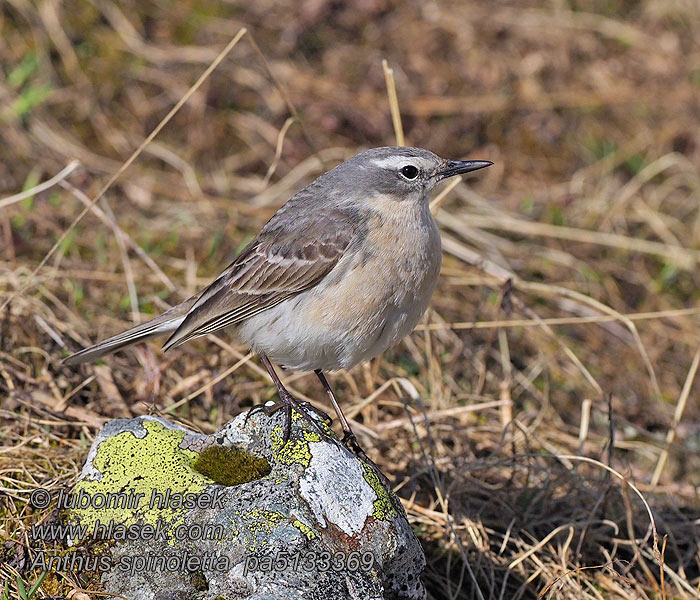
(340, 273)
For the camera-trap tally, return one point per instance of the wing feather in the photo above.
(297, 248)
(274, 267)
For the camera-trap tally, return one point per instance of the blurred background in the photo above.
(565, 321)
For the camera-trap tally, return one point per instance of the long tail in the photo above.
(168, 322)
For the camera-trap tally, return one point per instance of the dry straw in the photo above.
(526, 384)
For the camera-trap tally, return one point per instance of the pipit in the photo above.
(342, 271)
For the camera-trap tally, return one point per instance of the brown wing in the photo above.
(285, 259)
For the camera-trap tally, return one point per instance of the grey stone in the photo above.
(319, 525)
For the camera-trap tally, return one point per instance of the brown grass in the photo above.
(554, 376)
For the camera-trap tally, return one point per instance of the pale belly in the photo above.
(364, 306)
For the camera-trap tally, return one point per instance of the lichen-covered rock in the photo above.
(240, 514)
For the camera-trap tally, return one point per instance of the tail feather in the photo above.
(168, 322)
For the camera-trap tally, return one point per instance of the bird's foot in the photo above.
(251, 411)
(324, 416)
(350, 442)
(289, 404)
(271, 409)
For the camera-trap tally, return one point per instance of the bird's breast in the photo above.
(374, 296)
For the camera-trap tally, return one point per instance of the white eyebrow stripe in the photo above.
(396, 162)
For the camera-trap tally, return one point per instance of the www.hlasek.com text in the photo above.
(73, 533)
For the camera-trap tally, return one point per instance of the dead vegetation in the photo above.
(549, 393)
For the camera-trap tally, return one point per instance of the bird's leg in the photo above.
(289, 403)
(349, 438)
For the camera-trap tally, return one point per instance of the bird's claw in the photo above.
(350, 442)
(251, 410)
(288, 403)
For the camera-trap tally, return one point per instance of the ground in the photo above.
(564, 326)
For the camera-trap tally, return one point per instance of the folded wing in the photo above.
(276, 266)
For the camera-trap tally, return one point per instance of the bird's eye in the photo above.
(409, 172)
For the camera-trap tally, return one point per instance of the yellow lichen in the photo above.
(138, 467)
(259, 520)
(383, 506)
(305, 529)
(295, 451)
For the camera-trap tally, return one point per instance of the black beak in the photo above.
(457, 167)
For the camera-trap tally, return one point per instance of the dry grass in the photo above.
(554, 374)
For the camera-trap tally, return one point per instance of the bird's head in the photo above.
(399, 172)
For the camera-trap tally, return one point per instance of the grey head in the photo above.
(399, 172)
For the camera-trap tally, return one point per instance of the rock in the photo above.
(171, 513)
